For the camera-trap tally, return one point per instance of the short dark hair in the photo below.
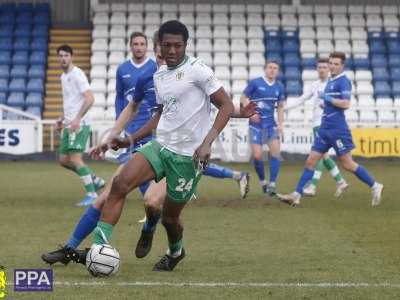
(338, 54)
(272, 61)
(136, 34)
(322, 61)
(173, 27)
(65, 48)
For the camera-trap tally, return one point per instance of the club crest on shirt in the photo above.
(170, 106)
(179, 75)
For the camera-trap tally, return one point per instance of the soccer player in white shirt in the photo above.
(185, 88)
(312, 93)
(75, 124)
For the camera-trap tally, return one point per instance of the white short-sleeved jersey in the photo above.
(74, 84)
(312, 92)
(184, 93)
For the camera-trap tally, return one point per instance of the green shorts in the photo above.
(180, 171)
(74, 142)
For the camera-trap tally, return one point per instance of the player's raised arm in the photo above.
(307, 95)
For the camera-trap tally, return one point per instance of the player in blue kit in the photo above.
(335, 133)
(269, 95)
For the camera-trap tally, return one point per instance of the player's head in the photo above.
(173, 36)
(64, 54)
(323, 68)
(336, 62)
(138, 44)
(157, 49)
(271, 69)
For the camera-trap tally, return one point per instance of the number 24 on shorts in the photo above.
(183, 186)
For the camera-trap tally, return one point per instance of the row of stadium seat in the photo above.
(22, 71)
(8, 31)
(23, 58)
(252, 19)
(24, 44)
(239, 8)
(22, 85)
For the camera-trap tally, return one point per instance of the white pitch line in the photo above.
(229, 284)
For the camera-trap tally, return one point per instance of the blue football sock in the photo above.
(214, 170)
(259, 166)
(305, 177)
(274, 165)
(143, 187)
(151, 223)
(85, 226)
(364, 176)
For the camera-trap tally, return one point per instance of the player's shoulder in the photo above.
(124, 65)
(78, 72)
(343, 79)
(256, 80)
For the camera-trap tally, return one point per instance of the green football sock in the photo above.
(86, 176)
(331, 166)
(102, 233)
(317, 173)
(174, 248)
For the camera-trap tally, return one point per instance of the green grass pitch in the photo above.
(324, 243)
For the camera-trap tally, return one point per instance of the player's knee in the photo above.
(152, 203)
(64, 161)
(119, 186)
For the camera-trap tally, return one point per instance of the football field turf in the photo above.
(256, 248)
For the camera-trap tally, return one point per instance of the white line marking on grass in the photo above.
(229, 284)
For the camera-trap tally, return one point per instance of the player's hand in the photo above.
(75, 124)
(59, 124)
(326, 98)
(98, 151)
(202, 154)
(248, 110)
(255, 118)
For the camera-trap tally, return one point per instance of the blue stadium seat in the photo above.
(34, 110)
(24, 18)
(380, 74)
(292, 73)
(309, 63)
(40, 31)
(37, 71)
(8, 7)
(20, 58)
(275, 56)
(42, 7)
(349, 63)
(23, 31)
(272, 34)
(39, 44)
(290, 46)
(16, 100)
(4, 71)
(293, 88)
(19, 71)
(21, 44)
(396, 89)
(5, 58)
(391, 35)
(35, 86)
(17, 85)
(3, 85)
(394, 60)
(395, 74)
(25, 7)
(382, 89)
(377, 47)
(41, 19)
(38, 58)
(291, 60)
(7, 18)
(34, 99)
(376, 35)
(361, 63)
(3, 98)
(6, 44)
(378, 61)
(6, 31)
(393, 46)
(273, 45)
(290, 35)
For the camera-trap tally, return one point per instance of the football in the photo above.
(102, 260)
